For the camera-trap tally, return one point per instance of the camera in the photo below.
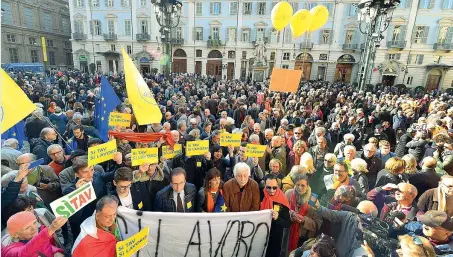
(376, 233)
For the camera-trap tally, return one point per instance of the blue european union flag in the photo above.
(103, 106)
(17, 132)
(220, 204)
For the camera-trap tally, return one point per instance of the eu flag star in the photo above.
(14, 134)
(223, 207)
(102, 98)
(102, 118)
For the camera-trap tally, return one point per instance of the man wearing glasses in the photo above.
(56, 153)
(128, 194)
(439, 198)
(374, 164)
(179, 196)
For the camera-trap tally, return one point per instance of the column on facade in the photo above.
(411, 22)
(338, 25)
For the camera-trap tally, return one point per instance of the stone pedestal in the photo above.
(259, 72)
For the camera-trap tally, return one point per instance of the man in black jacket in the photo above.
(179, 196)
(128, 194)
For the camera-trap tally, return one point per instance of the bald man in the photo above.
(405, 194)
(427, 178)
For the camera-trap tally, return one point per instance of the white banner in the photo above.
(243, 234)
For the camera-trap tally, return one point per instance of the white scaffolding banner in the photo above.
(243, 234)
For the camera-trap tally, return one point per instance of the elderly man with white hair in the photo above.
(348, 139)
(241, 193)
(10, 153)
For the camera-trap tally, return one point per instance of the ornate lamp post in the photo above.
(374, 17)
(168, 14)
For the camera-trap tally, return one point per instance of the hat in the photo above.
(19, 220)
(435, 218)
(290, 127)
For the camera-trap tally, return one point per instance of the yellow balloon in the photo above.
(320, 15)
(300, 22)
(281, 15)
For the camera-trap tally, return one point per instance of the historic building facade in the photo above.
(223, 39)
(26, 22)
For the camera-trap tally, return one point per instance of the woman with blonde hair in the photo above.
(306, 161)
(288, 181)
(411, 164)
(392, 173)
(299, 148)
(359, 170)
(415, 246)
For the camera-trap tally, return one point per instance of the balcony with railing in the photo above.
(79, 36)
(398, 44)
(214, 42)
(352, 47)
(143, 37)
(443, 46)
(110, 37)
(306, 45)
(174, 41)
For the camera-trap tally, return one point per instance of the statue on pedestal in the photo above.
(260, 49)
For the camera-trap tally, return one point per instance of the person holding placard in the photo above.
(255, 170)
(149, 179)
(127, 192)
(220, 162)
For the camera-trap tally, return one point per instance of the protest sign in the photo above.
(285, 80)
(101, 153)
(242, 234)
(227, 139)
(144, 155)
(169, 153)
(199, 147)
(71, 203)
(120, 119)
(255, 150)
(134, 243)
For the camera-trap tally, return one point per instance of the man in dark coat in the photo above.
(179, 196)
(427, 178)
(373, 163)
(401, 148)
(39, 145)
(34, 125)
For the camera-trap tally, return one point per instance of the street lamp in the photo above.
(374, 17)
(168, 14)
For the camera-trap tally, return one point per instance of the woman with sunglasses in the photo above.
(275, 199)
(305, 222)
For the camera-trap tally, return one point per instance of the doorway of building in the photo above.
(343, 72)
(230, 71)
(214, 64)
(433, 80)
(388, 80)
(198, 67)
(179, 61)
(321, 73)
(303, 63)
(145, 68)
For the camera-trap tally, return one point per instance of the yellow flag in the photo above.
(15, 104)
(145, 108)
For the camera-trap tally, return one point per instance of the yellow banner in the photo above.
(120, 119)
(169, 153)
(101, 153)
(44, 49)
(199, 147)
(227, 139)
(255, 150)
(144, 155)
(128, 247)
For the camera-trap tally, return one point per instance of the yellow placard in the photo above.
(169, 153)
(44, 49)
(101, 153)
(120, 119)
(134, 243)
(199, 147)
(255, 150)
(227, 139)
(144, 155)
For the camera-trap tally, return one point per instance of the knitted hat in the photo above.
(19, 221)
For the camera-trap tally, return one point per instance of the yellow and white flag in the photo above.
(145, 107)
(15, 104)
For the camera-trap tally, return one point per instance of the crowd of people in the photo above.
(353, 173)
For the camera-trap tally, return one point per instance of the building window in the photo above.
(247, 8)
(111, 27)
(7, 17)
(28, 13)
(415, 59)
(244, 54)
(350, 37)
(178, 33)
(405, 4)
(96, 28)
(67, 44)
(129, 49)
(326, 36)
(32, 41)
(398, 33)
(274, 36)
(231, 55)
(47, 22)
(437, 58)
(143, 3)
(393, 56)
(199, 9)
(234, 8)
(13, 56)
(98, 65)
(446, 5)
(144, 26)
(245, 35)
(352, 10)
(329, 7)
(286, 56)
(215, 33)
(287, 36)
(261, 8)
(260, 34)
(285, 66)
(272, 57)
(109, 3)
(78, 26)
(199, 33)
(65, 25)
(215, 8)
(113, 48)
(69, 59)
(231, 34)
(426, 4)
(295, 6)
(11, 38)
(409, 80)
(49, 42)
(125, 3)
(127, 28)
(93, 3)
(198, 53)
(34, 56)
(420, 35)
(79, 3)
(51, 58)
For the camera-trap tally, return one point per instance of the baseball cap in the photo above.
(436, 218)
